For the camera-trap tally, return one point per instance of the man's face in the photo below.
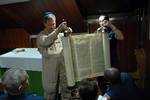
(50, 25)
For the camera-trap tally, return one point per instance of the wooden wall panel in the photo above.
(14, 38)
(29, 15)
(33, 43)
(128, 45)
(147, 50)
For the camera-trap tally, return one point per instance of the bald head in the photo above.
(103, 17)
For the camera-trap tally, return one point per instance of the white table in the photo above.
(26, 58)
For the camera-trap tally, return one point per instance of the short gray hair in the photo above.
(48, 16)
(13, 78)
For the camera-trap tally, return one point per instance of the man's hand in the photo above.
(62, 27)
(68, 31)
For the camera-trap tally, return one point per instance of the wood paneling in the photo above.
(14, 38)
(147, 50)
(29, 15)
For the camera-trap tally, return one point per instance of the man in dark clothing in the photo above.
(121, 86)
(114, 35)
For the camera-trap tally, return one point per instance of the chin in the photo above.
(50, 30)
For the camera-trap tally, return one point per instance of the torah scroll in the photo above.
(86, 56)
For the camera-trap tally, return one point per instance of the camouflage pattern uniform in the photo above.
(50, 46)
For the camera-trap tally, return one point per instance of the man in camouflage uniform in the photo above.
(50, 46)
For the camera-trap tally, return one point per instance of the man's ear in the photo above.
(20, 87)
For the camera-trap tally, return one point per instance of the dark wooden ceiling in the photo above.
(28, 15)
(96, 7)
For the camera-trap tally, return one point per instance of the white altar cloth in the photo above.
(26, 58)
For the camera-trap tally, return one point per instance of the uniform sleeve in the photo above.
(47, 40)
